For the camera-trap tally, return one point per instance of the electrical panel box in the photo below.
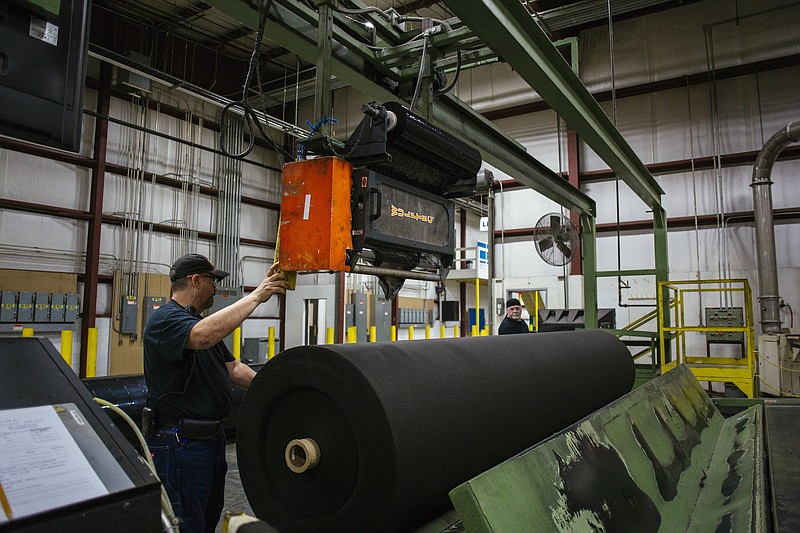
(256, 349)
(25, 307)
(41, 307)
(349, 315)
(72, 309)
(151, 303)
(129, 315)
(360, 302)
(8, 306)
(413, 315)
(382, 319)
(57, 301)
(225, 297)
(726, 317)
(222, 299)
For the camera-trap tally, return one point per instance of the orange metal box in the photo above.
(315, 215)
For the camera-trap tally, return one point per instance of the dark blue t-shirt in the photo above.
(184, 383)
(510, 327)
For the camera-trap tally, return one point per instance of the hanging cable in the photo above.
(250, 117)
(694, 199)
(455, 79)
(620, 283)
(166, 506)
(422, 61)
(363, 11)
(715, 135)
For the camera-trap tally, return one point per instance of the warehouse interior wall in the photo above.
(161, 197)
(686, 123)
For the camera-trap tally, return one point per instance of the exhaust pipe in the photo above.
(765, 230)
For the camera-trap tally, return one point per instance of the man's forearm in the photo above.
(219, 325)
(241, 374)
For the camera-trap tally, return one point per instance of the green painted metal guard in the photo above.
(661, 458)
(51, 6)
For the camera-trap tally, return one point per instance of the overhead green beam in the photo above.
(508, 155)
(294, 27)
(507, 28)
(294, 33)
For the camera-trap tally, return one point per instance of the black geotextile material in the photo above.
(400, 424)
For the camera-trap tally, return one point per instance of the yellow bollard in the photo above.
(237, 343)
(270, 343)
(66, 346)
(329, 336)
(91, 353)
(530, 328)
(474, 331)
(442, 331)
(351, 335)
(27, 332)
(427, 331)
(394, 333)
(411, 333)
(455, 331)
(485, 331)
(373, 333)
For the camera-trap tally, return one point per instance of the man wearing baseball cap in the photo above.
(189, 372)
(513, 322)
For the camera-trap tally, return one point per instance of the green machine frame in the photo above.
(507, 30)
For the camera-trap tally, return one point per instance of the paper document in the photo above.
(41, 466)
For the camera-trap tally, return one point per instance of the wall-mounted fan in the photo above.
(556, 239)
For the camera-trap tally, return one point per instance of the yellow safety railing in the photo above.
(638, 323)
(673, 327)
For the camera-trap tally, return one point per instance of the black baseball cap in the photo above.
(511, 302)
(194, 264)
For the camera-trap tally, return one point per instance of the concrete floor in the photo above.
(235, 499)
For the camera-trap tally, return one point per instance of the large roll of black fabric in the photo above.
(399, 424)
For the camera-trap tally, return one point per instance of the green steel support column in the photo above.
(660, 242)
(589, 242)
(662, 266)
(516, 37)
(322, 83)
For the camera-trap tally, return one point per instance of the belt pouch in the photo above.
(190, 428)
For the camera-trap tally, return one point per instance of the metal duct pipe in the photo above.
(765, 230)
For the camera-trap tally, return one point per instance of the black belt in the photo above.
(187, 428)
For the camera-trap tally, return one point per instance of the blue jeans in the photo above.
(193, 473)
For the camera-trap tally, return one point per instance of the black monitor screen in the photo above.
(42, 71)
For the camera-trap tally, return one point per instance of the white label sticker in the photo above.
(44, 31)
(77, 416)
(307, 207)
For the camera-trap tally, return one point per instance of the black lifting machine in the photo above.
(382, 207)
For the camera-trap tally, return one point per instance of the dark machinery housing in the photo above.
(34, 375)
(384, 206)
